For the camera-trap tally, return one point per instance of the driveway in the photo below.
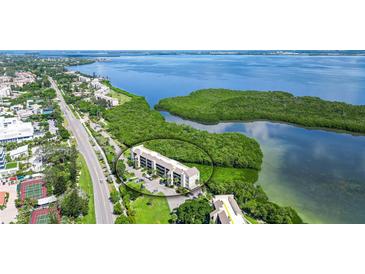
(9, 214)
(154, 186)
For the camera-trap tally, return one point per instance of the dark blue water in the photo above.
(319, 173)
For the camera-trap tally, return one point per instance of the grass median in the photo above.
(86, 185)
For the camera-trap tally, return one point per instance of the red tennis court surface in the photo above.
(42, 216)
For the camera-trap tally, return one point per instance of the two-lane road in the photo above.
(103, 206)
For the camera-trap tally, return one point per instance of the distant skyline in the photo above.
(116, 53)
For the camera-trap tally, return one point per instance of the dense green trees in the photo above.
(73, 165)
(179, 150)
(253, 200)
(117, 209)
(74, 205)
(194, 212)
(114, 196)
(215, 105)
(272, 213)
(61, 177)
(134, 122)
(56, 178)
(122, 219)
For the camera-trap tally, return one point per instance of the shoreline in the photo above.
(338, 131)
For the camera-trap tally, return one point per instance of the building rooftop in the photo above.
(13, 128)
(227, 209)
(172, 164)
(47, 200)
(19, 150)
(223, 218)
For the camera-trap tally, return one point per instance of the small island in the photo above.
(211, 106)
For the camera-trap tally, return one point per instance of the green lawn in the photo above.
(229, 174)
(158, 212)
(121, 97)
(224, 175)
(86, 185)
(11, 165)
(118, 93)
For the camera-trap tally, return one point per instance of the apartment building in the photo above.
(176, 173)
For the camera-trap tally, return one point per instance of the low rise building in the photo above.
(14, 130)
(97, 85)
(19, 152)
(52, 127)
(226, 211)
(175, 173)
(16, 108)
(84, 79)
(24, 113)
(47, 200)
(5, 91)
(102, 92)
(112, 102)
(23, 78)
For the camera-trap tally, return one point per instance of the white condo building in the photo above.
(102, 92)
(14, 130)
(175, 172)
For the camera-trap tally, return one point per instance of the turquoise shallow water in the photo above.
(320, 173)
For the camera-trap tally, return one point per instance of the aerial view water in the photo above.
(319, 173)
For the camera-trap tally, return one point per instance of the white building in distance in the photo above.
(176, 173)
(5, 91)
(84, 79)
(102, 92)
(14, 130)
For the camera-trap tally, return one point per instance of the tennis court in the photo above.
(43, 219)
(42, 216)
(33, 189)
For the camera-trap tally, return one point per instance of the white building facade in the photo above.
(5, 91)
(19, 152)
(14, 130)
(2, 158)
(176, 173)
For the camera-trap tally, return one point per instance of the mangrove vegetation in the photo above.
(212, 106)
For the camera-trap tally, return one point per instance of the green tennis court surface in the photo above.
(43, 219)
(33, 191)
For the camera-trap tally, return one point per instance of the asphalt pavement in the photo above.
(103, 206)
